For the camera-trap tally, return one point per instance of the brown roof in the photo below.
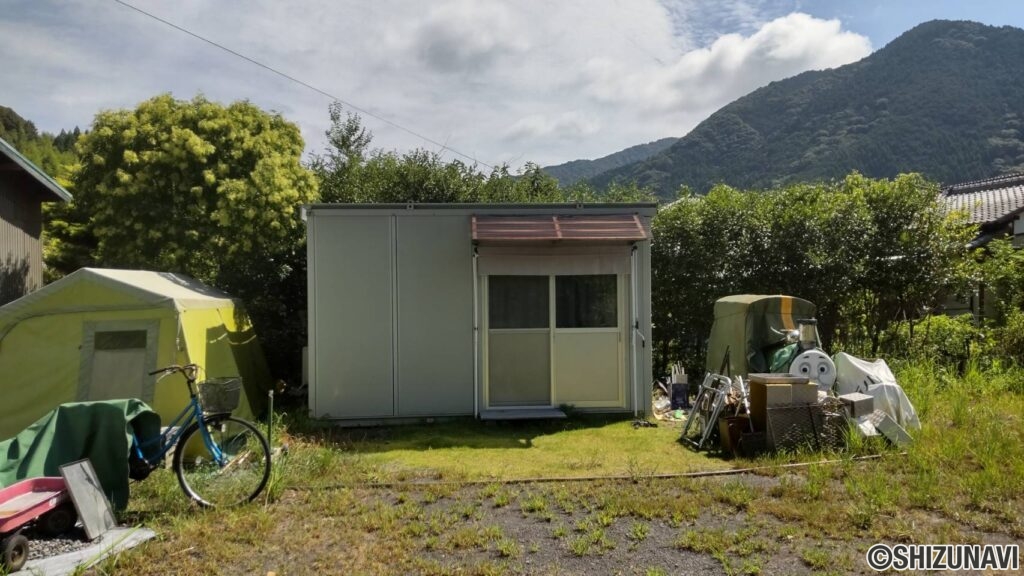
(990, 201)
(610, 228)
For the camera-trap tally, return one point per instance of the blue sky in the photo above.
(500, 81)
(882, 21)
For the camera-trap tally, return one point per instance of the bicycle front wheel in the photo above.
(237, 476)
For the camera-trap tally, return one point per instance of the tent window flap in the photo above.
(120, 340)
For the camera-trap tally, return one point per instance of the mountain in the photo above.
(571, 172)
(945, 99)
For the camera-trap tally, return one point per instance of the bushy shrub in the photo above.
(865, 251)
(943, 340)
(1009, 338)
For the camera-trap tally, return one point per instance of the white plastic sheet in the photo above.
(874, 378)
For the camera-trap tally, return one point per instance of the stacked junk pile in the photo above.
(769, 386)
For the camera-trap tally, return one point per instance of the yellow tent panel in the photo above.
(95, 335)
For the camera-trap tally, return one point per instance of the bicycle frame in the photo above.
(193, 412)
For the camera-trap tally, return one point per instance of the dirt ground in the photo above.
(726, 525)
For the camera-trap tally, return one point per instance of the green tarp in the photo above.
(99, 431)
(748, 325)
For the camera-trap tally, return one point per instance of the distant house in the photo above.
(23, 189)
(996, 205)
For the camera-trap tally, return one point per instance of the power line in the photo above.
(305, 84)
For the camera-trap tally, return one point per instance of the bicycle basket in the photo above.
(220, 395)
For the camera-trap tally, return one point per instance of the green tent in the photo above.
(747, 325)
(96, 333)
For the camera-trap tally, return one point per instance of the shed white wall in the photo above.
(390, 315)
(351, 316)
(435, 316)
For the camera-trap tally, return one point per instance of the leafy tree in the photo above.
(1002, 273)
(65, 141)
(348, 142)
(192, 186)
(197, 187)
(916, 251)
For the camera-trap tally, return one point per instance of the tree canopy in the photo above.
(191, 186)
(350, 171)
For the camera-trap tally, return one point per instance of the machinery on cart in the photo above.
(758, 344)
(769, 385)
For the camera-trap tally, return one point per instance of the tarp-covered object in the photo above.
(96, 333)
(746, 324)
(875, 379)
(99, 431)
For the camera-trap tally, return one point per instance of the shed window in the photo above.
(120, 340)
(586, 301)
(518, 301)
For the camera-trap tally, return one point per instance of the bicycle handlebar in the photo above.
(189, 370)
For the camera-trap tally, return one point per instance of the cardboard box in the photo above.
(805, 393)
(858, 404)
(770, 390)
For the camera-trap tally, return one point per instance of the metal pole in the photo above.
(632, 331)
(476, 338)
(270, 417)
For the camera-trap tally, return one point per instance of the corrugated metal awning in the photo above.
(595, 228)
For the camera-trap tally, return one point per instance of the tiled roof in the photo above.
(988, 201)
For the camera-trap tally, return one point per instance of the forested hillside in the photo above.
(45, 150)
(571, 172)
(945, 99)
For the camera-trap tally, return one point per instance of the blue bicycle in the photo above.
(219, 460)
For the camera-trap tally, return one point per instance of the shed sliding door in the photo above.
(519, 341)
(588, 350)
(555, 339)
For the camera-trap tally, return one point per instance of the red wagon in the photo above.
(44, 501)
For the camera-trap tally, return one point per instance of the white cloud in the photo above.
(466, 36)
(569, 126)
(499, 80)
(704, 79)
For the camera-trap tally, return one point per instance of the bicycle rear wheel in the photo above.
(238, 478)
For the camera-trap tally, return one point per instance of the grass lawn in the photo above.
(471, 450)
(962, 481)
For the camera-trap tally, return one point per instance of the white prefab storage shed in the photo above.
(427, 310)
